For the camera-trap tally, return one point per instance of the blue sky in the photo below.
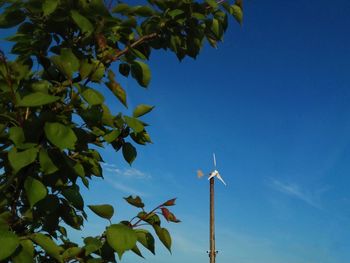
(273, 103)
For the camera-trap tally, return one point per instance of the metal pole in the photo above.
(212, 252)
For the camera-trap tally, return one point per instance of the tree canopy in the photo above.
(53, 118)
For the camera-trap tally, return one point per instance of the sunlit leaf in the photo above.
(142, 109)
(37, 99)
(121, 238)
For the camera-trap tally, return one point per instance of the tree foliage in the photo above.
(53, 116)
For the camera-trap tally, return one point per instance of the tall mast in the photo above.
(212, 252)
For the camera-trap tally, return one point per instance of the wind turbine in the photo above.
(212, 252)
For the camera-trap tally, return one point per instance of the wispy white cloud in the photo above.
(294, 190)
(125, 188)
(127, 172)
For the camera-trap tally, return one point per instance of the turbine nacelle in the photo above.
(213, 174)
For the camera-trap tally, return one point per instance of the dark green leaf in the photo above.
(8, 243)
(124, 69)
(121, 238)
(129, 152)
(35, 190)
(36, 99)
(60, 135)
(74, 197)
(104, 211)
(11, 18)
(141, 110)
(16, 135)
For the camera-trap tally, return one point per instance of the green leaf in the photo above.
(163, 236)
(60, 135)
(124, 69)
(120, 8)
(18, 160)
(146, 239)
(112, 136)
(66, 62)
(41, 86)
(216, 28)
(129, 152)
(116, 89)
(36, 99)
(8, 243)
(73, 195)
(141, 72)
(26, 254)
(121, 238)
(212, 3)
(137, 201)
(11, 18)
(137, 251)
(82, 22)
(16, 135)
(71, 253)
(143, 11)
(48, 245)
(49, 6)
(141, 110)
(237, 13)
(91, 245)
(46, 164)
(105, 211)
(93, 69)
(134, 124)
(93, 97)
(174, 13)
(35, 190)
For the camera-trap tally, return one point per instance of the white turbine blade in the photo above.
(199, 173)
(212, 174)
(214, 159)
(219, 177)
